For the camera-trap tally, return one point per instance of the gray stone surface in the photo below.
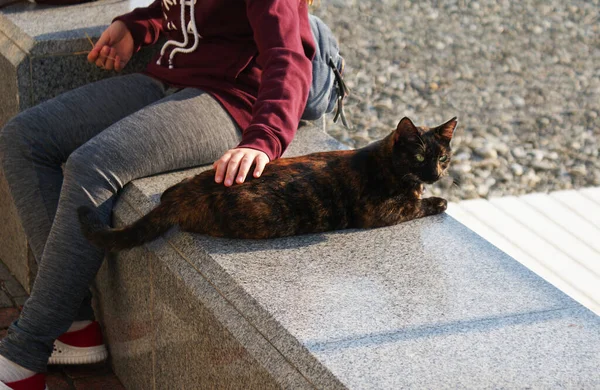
(545, 350)
(124, 305)
(13, 250)
(4, 272)
(15, 96)
(426, 304)
(53, 75)
(14, 288)
(15, 80)
(198, 332)
(48, 30)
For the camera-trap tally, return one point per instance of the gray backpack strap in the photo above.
(328, 87)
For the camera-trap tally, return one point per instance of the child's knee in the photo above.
(91, 169)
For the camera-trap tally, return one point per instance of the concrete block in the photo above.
(426, 303)
(123, 304)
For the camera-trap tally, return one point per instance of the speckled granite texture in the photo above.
(37, 46)
(425, 304)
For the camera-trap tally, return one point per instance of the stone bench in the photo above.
(423, 304)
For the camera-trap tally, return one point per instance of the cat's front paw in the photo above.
(435, 205)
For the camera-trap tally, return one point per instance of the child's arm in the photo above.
(114, 49)
(286, 47)
(145, 24)
(126, 35)
(285, 57)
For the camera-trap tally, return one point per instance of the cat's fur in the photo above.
(378, 185)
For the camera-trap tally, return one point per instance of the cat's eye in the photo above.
(444, 158)
(420, 157)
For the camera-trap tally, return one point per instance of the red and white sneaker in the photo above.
(82, 346)
(36, 382)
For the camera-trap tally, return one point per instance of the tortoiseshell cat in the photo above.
(378, 185)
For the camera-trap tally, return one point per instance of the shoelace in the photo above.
(343, 91)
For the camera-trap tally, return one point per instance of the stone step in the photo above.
(555, 235)
(427, 303)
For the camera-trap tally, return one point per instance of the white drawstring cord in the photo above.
(173, 42)
(181, 49)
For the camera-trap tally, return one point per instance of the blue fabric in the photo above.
(323, 93)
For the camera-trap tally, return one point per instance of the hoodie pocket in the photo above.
(245, 60)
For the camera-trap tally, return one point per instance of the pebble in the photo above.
(543, 166)
(517, 169)
(463, 156)
(482, 190)
(518, 101)
(578, 170)
(460, 168)
(519, 152)
(538, 155)
(537, 30)
(487, 151)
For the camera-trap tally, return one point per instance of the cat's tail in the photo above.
(148, 228)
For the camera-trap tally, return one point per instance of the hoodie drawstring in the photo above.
(181, 45)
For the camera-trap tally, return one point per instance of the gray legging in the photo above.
(106, 134)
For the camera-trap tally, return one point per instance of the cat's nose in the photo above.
(432, 179)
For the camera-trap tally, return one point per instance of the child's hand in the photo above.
(114, 48)
(238, 161)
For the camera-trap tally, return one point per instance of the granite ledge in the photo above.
(318, 298)
(24, 23)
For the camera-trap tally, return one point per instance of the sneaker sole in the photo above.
(68, 354)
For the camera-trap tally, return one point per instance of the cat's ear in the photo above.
(405, 129)
(446, 130)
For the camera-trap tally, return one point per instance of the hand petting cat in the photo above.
(237, 162)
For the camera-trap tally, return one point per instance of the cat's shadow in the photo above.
(226, 246)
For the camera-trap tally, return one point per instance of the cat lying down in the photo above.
(378, 185)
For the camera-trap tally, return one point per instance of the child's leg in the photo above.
(183, 130)
(35, 144)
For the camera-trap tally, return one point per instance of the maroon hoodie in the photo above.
(253, 56)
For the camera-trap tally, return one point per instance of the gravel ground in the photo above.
(522, 77)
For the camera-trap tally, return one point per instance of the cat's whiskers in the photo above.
(404, 176)
(422, 143)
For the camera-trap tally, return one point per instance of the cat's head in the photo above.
(422, 153)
